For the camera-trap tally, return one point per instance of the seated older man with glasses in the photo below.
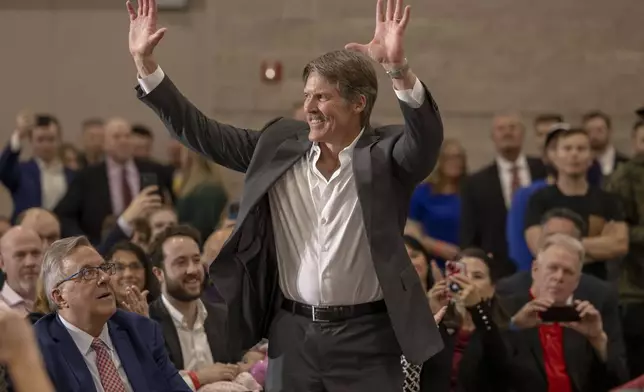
(89, 345)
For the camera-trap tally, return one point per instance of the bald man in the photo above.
(21, 252)
(106, 189)
(487, 194)
(43, 222)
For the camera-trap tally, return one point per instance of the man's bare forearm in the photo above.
(605, 247)
(145, 65)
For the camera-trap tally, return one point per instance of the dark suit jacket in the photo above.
(581, 361)
(216, 327)
(485, 364)
(88, 201)
(138, 342)
(22, 179)
(483, 214)
(388, 163)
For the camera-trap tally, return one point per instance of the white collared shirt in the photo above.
(323, 254)
(195, 348)
(607, 160)
(84, 341)
(14, 300)
(53, 183)
(505, 175)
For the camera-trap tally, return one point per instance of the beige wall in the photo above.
(70, 57)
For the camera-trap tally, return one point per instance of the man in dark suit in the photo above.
(41, 181)
(487, 194)
(583, 355)
(87, 344)
(196, 332)
(599, 127)
(317, 262)
(106, 189)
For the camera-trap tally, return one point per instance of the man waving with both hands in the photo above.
(316, 262)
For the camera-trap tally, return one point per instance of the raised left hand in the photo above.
(386, 47)
(591, 325)
(136, 301)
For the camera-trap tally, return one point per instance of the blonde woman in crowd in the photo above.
(202, 198)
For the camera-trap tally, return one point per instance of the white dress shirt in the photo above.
(53, 183)
(195, 348)
(84, 341)
(607, 160)
(505, 175)
(323, 254)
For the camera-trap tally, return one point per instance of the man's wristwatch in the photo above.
(399, 73)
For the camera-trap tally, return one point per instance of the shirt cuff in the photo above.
(125, 227)
(414, 97)
(188, 381)
(151, 81)
(14, 143)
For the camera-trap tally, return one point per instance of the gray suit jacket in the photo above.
(388, 163)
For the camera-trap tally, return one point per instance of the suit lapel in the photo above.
(170, 334)
(34, 175)
(573, 346)
(534, 341)
(496, 189)
(128, 357)
(285, 156)
(362, 173)
(70, 354)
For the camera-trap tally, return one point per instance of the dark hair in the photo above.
(47, 120)
(417, 246)
(156, 249)
(352, 73)
(568, 214)
(566, 133)
(548, 118)
(593, 114)
(498, 313)
(142, 130)
(638, 124)
(151, 284)
(92, 122)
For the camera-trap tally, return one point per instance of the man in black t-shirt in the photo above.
(606, 236)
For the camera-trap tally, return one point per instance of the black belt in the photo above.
(327, 314)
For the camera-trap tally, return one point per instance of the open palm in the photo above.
(144, 34)
(386, 47)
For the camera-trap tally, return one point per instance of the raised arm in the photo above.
(225, 144)
(416, 151)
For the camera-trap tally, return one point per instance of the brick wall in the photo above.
(70, 57)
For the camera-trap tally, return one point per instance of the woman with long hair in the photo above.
(202, 198)
(475, 357)
(435, 206)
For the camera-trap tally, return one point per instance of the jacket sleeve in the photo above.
(10, 169)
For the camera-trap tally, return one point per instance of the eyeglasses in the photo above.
(90, 273)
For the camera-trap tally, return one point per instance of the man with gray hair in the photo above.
(89, 345)
(315, 263)
(576, 355)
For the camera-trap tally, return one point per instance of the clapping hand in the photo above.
(386, 47)
(136, 301)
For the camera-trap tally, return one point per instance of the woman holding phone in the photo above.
(475, 357)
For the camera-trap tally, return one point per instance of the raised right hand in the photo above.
(142, 204)
(25, 122)
(144, 34)
(528, 316)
